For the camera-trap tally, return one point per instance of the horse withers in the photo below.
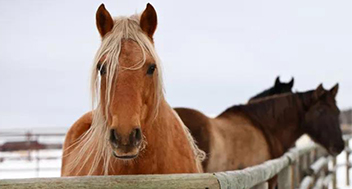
(132, 130)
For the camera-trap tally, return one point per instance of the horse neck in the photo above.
(279, 119)
(169, 138)
(286, 129)
(163, 125)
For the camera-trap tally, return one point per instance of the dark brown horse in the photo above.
(248, 135)
(278, 88)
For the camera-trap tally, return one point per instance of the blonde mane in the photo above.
(93, 145)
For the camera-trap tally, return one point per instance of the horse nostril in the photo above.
(136, 136)
(113, 136)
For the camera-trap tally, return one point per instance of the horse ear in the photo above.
(318, 92)
(148, 21)
(334, 90)
(291, 82)
(277, 81)
(104, 21)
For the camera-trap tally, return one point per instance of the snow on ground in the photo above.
(28, 169)
(11, 167)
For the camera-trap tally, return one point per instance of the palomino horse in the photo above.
(133, 130)
(251, 134)
(278, 88)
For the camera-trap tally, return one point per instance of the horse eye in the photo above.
(101, 69)
(320, 110)
(151, 69)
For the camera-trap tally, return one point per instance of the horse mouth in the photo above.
(125, 157)
(335, 151)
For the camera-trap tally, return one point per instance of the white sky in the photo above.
(215, 53)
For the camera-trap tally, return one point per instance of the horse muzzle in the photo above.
(126, 147)
(336, 149)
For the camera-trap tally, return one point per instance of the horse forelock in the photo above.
(125, 28)
(93, 146)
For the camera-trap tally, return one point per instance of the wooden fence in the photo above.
(302, 167)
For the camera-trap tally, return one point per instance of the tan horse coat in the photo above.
(232, 142)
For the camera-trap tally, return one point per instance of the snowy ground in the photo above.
(11, 167)
(28, 169)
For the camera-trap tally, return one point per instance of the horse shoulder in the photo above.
(78, 128)
(198, 124)
(255, 149)
(180, 137)
(237, 144)
(74, 133)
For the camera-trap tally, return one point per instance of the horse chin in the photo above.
(125, 156)
(335, 151)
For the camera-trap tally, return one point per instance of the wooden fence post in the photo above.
(334, 168)
(307, 183)
(285, 178)
(308, 161)
(296, 172)
(300, 166)
(348, 165)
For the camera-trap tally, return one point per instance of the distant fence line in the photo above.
(301, 167)
(29, 142)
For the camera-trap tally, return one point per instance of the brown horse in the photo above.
(248, 135)
(278, 88)
(132, 130)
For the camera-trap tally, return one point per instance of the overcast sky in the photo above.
(214, 53)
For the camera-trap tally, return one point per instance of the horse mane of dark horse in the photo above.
(270, 112)
(265, 93)
(278, 88)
